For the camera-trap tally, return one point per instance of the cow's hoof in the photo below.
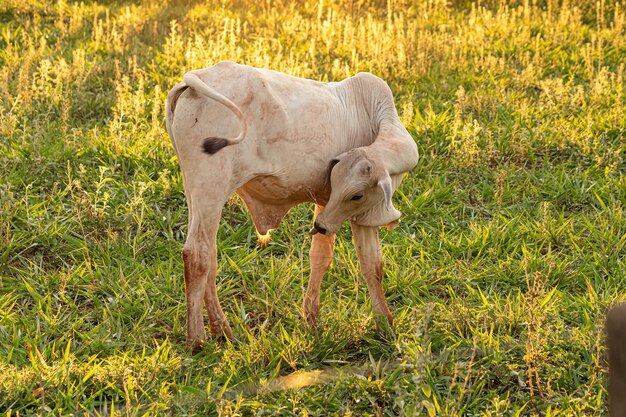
(384, 326)
(223, 332)
(310, 319)
(195, 345)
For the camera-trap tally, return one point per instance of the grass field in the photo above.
(511, 248)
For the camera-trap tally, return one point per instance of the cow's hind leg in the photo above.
(200, 265)
(367, 244)
(217, 319)
(321, 256)
(196, 267)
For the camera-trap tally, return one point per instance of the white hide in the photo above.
(276, 141)
(293, 129)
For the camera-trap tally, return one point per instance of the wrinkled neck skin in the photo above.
(373, 122)
(375, 131)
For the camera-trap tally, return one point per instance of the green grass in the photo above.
(511, 247)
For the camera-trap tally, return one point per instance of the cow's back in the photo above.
(295, 128)
(279, 108)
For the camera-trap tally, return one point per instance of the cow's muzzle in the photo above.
(317, 229)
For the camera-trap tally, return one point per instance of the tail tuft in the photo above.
(212, 145)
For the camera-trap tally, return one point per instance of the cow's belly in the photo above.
(269, 197)
(280, 190)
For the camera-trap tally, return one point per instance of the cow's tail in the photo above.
(170, 106)
(213, 144)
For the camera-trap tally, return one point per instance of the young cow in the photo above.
(339, 145)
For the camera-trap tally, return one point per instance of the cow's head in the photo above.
(361, 191)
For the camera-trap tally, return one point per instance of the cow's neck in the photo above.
(370, 110)
(375, 124)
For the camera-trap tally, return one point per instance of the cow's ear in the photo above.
(387, 187)
(384, 213)
(332, 164)
(336, 160)
(379, 215)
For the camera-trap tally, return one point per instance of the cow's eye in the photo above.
(356, 197)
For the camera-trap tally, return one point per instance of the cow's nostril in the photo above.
(319, 228)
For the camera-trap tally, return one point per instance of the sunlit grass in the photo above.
(510, 249)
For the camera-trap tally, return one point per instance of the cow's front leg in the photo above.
(321, 255)
(368, 250)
